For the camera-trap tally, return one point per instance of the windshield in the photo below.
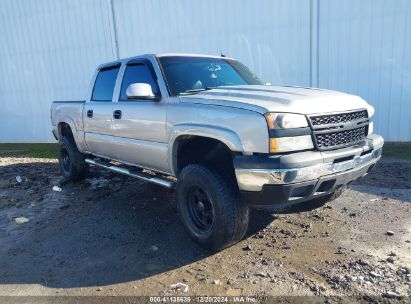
(188, 75)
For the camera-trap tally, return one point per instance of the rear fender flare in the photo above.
(76, 135)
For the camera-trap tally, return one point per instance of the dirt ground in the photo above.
(112, 235)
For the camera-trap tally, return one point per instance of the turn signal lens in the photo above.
(370, 110)
(371, 128)
(270, 120)
(274, 146)
(281, 122)
(295, 143)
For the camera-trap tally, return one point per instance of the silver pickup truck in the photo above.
(211, 129)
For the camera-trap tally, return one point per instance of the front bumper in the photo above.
(303, 176)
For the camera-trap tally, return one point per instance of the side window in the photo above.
(138, 73)
(104, 85)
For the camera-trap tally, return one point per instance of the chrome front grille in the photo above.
(334, 131)
(338, 118)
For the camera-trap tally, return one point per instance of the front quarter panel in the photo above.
(241, 130)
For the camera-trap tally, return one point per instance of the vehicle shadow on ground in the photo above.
(124, 231)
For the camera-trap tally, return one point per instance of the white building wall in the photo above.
(271, 37)
(365, 49)
(49, 49)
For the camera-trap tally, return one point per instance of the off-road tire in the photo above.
(76, 169)
(230, 213)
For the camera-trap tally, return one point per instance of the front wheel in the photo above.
(210, 208)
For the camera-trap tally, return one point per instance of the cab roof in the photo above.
(158, 55)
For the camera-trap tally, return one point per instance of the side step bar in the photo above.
(133, 173)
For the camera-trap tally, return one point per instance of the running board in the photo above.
(133, 173)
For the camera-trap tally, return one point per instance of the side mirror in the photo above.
(140, 91)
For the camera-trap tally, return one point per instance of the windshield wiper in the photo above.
(196, 90)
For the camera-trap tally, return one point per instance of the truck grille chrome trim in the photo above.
(334, 131)
(340, 139)
(338, 118)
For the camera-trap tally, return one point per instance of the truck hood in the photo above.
(264, 99)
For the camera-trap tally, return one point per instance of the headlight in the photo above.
(285, 120)
(288, 132)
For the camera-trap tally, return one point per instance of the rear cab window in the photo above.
(104, 85)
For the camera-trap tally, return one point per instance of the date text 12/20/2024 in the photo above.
(204, 299)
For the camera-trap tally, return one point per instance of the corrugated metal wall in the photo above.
(49, 49)
(365, 49)
(272, 37)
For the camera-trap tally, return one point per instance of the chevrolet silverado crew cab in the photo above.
(211, 129)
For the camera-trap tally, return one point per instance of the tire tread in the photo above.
(79, 168)
(236, 212)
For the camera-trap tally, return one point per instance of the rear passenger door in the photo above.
(140, 130)
(98, 112)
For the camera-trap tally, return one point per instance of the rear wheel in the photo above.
(210, 208)
(71, 160)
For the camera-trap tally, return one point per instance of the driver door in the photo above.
(139, 125)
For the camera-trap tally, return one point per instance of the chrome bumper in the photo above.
(358, 158)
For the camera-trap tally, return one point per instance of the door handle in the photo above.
(117, 114)
(90, 113)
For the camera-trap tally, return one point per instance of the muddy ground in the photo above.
(112, 235)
